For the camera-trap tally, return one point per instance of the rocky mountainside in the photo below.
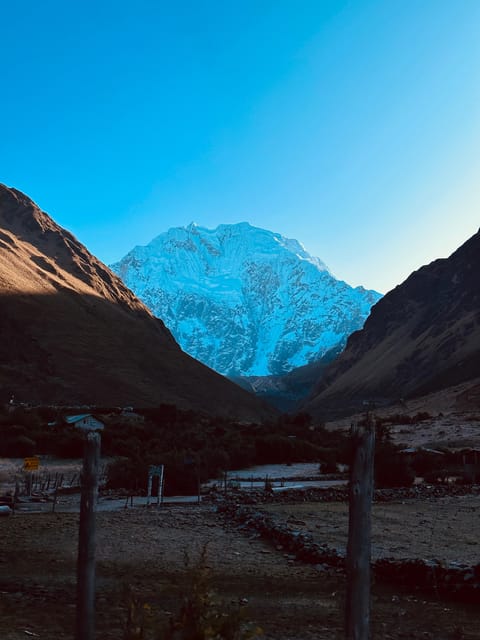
(421, 337)
(72, 333)
(288, 391)
(243, 300)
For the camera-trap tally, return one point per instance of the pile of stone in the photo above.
(340, 494)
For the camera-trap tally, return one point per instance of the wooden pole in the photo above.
(359, 532)
(160, 484)
(198, 483)
(149, 486)
(85, 628)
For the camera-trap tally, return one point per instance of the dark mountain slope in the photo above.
(71, 332)
(421, 337)
(289, 391)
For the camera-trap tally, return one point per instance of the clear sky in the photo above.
(353, 127)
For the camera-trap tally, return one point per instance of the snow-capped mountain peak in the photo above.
(244, 300)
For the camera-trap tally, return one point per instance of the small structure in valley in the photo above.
(86, 421)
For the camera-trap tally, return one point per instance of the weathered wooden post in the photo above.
(55, 496)
(199, 487)
(85, 624)
(160, 484)
(359, 531)
(149, 485)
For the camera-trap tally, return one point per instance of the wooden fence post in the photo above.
(149, 486)
(359, 532)
(160, 484)
(85, 627)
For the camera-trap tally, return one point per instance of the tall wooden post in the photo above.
(359, 532)
(160, 484)
(85, 627)
(149, 486)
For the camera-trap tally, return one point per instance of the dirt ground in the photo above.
(143, 548)
(444, 529)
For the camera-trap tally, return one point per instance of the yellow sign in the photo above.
(31, 464)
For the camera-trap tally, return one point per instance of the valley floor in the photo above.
(144, 548)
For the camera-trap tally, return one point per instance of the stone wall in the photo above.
(453, 580)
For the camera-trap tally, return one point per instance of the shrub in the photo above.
(392, 469)
(181, 474)
(27, 417)
(68, 444)
(425, 463)
(200, 617)
(212, 462)
(14, 431)
(18, 447)
(328, 461)
(127, 473)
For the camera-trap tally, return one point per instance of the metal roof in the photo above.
(81, 416)
(419, 449)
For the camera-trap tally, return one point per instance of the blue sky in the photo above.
(353, 127)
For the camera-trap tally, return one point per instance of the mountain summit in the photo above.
(243, 300)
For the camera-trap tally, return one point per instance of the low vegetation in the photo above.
(195, 447)
(201, 615)
(192, 446)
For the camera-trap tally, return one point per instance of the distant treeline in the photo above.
(195, 447)
(192, 446)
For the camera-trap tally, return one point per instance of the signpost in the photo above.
(31, 464)
(155, 470)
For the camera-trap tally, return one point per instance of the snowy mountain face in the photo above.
(243, 300)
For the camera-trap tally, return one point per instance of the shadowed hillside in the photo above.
(421, 337)
(71, 332)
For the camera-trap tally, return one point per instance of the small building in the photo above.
(86, 421)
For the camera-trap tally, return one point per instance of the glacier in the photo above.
(243, 300)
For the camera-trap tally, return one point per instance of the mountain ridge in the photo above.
(422, 336)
